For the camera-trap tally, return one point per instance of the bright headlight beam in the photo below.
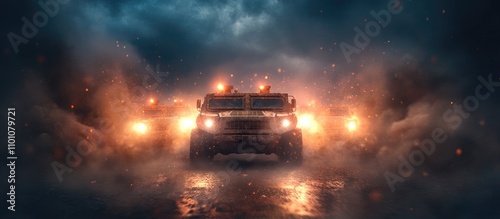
(305, 121)
(351, 126)
(285, 123)
(140, 127)
(186, 124)
(209, 123)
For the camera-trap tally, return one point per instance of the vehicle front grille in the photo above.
(247, 113)
(247, 125)
(158, 127)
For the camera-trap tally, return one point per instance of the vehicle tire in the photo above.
(290, 147)
(200, 147)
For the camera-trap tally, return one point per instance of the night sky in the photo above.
(451, 42)
(425, 59)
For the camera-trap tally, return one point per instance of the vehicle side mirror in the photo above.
(294, 105)
(198, 104)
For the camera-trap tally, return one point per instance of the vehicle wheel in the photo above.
(290, 147)
(200, 147)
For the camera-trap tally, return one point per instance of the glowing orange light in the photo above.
(352, 126)
(307, 122)
(187, 124)
(72, 106)
(152, 100)
(140, 128)
(261, 87)
(220, 87)
(86, 89)
(459, 151)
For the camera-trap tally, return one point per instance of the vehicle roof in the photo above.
(250, 94)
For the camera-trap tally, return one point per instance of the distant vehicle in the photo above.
(157, 121)
(338, 122)
(234, 122)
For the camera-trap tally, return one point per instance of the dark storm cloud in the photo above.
(249, 34)
(205, 34)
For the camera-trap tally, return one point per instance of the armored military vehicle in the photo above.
(338, 122)
(234, 122)
(158, 121)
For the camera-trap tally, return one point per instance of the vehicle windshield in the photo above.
(339, 112)
(164, 112)
(268, 103)
(151, 113)
(225, 103)
(175, 111)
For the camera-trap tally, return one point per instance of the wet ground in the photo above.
(250, 186)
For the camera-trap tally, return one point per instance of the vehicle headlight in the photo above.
(285, 123)
(305, 121)
(186, 124)
(351, 125)
(208, 123)
(140, 127)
